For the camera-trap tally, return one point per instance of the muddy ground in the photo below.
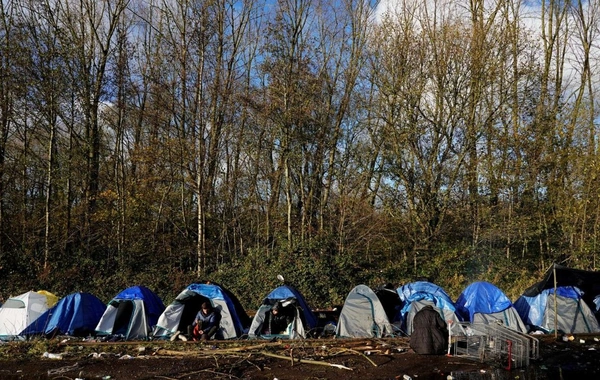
(578, 358)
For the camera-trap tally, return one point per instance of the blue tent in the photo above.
(482, 302)
(416, 295)
(572, 314)
(76, 314)
(286, 295)
(181, 312)
(131, 314)
(286, 292)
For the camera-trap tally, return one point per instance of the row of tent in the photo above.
(565, 300)
(137, 313)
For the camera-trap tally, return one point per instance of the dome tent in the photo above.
(131, 314)
(572, 315)
(289, 297)
(588, 282)
(19, 312)
(76, 314)
(182, 311)
(363, 316)
(484, 303)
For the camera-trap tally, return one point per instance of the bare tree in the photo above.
(90, 28)
(7, 93)
(46, 88)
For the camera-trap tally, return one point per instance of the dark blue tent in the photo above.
(482, 302)
(76, 314)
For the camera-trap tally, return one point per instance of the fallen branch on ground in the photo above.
(306, 361)
(211, 352)
(358, 353)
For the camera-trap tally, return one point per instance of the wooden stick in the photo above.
(163, 351)
(306, 361)
(223, 351)
(359, 353)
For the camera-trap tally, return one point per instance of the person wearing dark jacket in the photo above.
(278, 319)
(206, 322)
(430, 332)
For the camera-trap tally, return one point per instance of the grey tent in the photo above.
(182, 311)
(363, 316)
(293, 301)
(559, 275)
(131, 314)
(572, 314)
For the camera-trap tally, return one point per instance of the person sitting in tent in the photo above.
(206, 323)
(430, 332)
(278, 319)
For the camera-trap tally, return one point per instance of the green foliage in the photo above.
(324, 278)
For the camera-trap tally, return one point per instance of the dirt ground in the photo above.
(316, 359)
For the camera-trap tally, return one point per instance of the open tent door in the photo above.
(123, 318)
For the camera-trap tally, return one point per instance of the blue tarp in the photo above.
(481, 297)
(287, 291)
(532, 309)
(424, 290)
(153, 305)
(76, 314)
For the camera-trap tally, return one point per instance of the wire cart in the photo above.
(495, 342)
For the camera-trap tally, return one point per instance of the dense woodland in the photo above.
(159, 142)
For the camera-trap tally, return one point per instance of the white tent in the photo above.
(294, 303)
(363, 316)
(19, 312)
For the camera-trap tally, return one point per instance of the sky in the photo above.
(531, 11)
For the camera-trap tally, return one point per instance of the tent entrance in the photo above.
(127, 319)
(123, 318)
(191, 306)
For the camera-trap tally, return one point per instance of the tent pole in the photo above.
(555, 310)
